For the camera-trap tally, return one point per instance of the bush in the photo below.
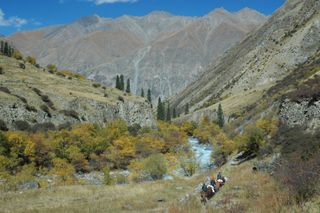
(63, 170)
(31, 60)
(52, 68)
(134, 129)
(1, 71)
(5, 90)
(155, 166)
(70, 113)
(96, 85)
(120, 98)
(189, 165)
(37, 91)
(45, 108)
(3, 126)
(22, 66)
(47, 100)
(31, 108)
(299, 166)
(22, 99)
(22, 125)
(43, 127)
(107, 179)
(17, 55)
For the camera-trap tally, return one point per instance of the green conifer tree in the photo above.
(6, 49)
(168, 117)
(149, 97)
(117, 82)
(220, 116)
(121, 82)
(142, 92)
(174, 113)
(128, 86)
(186, 111)
(2, 47)
(160, 110)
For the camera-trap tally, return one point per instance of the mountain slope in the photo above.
(267, 55)
(33, 96)
(158, 51)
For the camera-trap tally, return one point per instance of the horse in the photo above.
(207, 194)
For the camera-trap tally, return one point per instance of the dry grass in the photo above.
(248, 191)
(145, 197)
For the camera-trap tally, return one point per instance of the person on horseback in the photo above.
(219, 176)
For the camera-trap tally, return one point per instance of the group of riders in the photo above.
(210, 189)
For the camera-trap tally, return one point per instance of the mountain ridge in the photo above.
(188, 44)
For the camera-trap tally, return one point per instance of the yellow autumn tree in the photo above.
(63, 170)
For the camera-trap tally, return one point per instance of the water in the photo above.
(202, 153)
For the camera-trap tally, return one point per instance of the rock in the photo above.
(92, 178)
(242, 157)
(31, 184)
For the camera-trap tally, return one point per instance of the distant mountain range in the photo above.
(158, 51)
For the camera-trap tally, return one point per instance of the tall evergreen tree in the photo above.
(128, 86)
(118, 82)
(168, 118)
(160, 110)
(2, 47)
(6, 49)
(149, 97)
(121, 82)
(220, 116)
(142, 92)
(174, 113)
(186, 111)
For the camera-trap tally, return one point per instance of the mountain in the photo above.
(32, 97)
(243, 75)
(158, 51)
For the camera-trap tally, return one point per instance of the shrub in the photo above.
(52, 68)
(5, 90)
(63, 170)
(61, 74)
(3, 126)
(107, 179)
(189, 165)
(120, 98)
(17, 55)
(96, 85)
(155, 166)
(299, 167)
(43, 127)
(22, 125)
(37, 91)
(66, 125)
(1, 71)
(31, 108)
(47, 100)
(22, 66)
(45, 109)
(70, 113)
(22, 99)
(134, 129)
(31, 60)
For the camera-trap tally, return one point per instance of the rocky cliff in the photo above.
(33, 97)
(158, 51)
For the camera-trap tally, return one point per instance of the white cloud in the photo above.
(12, 21)
(98, 2)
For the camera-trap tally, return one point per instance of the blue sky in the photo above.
(18, 15)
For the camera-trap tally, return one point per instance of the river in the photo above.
(202, 153)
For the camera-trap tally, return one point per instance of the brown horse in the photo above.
(208, 194)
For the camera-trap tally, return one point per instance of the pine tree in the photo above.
(128, 86)
(174, 114)
(6, 49)
(2, 47)
(186, 111)
(149, 97)
(160, 110)
(118, 82)
(121, 82)
(142, 92)
(220, 116)
(168, 118)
